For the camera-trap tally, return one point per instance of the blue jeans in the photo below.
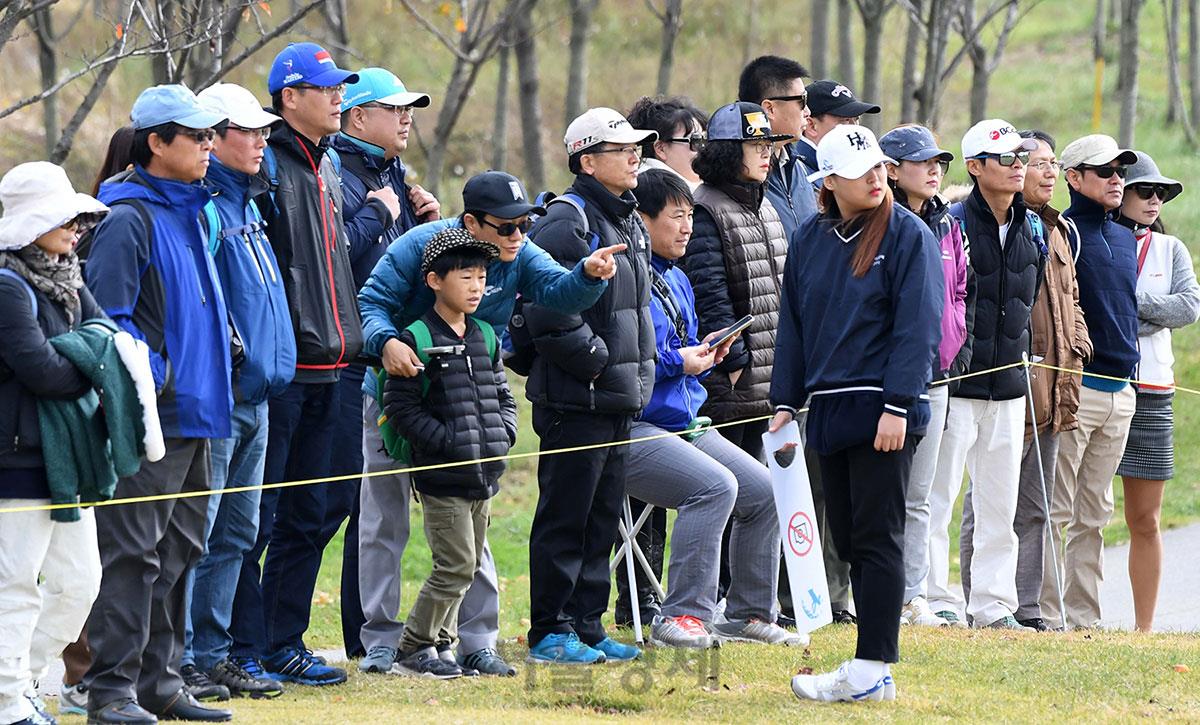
(230, 533)
(272, 604)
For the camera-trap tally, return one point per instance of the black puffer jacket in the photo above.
(735, 263)
(468, 413)
(305, 226)
(603, 358)
(1006, 284)
(30, 368)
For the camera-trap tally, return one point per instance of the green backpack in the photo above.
(399, 449)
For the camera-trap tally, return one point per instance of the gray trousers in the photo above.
(916, 499)
(382, 536)
(137, 624)
(706, 481)
(1029, 526)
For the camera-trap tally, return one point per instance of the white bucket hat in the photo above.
(37, 197)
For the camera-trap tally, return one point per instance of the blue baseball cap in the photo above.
(172, 104)
(912, 143)
(742, 121)
(380, 85)
(306, 63)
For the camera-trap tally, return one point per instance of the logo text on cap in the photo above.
(858, 141)
(841, 91)
(516, 190)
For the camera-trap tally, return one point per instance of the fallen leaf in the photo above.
(1182, 668)
(431, 701)
(804, 671)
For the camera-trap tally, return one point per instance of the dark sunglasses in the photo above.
(695, 142)
(199, 135)
(802, 99)
(1145, 191)
(1106, 172)
(1008, 158)
(507, 228)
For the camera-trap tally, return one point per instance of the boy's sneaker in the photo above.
(1008, 622)
(242, 683)
(835, 687)
(488, 662)
(564, 649)
(951, 618)
(426, 663)
(201, 687)
(302, 667)
(445, 654)
(681, 631)
(917, 612)
(756, 630)
(380, 658)
(615, 651)
(72, 700)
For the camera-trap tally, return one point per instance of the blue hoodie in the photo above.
(252, 286)
(677, 396)
(160, 285)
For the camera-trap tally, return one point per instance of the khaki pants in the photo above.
(1083, 504)
(455, 529)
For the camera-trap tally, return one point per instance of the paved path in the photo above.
(1178, 594)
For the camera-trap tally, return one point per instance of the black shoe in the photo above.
(242, 683)
(185, 707)
(1036, 623)
(785, 621)
(121, 712)
(201, 687)
(426, 663)
(843, 616)
(446, 655)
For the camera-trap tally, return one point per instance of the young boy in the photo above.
(458, 409)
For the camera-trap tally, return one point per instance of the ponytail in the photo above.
(874, 228)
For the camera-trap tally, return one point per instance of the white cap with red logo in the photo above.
(994, 136)
(603, 125)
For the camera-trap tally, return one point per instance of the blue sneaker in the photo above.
(302, 667)
(615, 651)
(564, 649)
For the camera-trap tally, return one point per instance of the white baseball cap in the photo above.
(849, 152)
(603, 125)
(1095, 150)
(238, 105)
(994, 136)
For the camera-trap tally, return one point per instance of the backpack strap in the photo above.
(336, 159)
(580, 206)
(6, 272)
(212, 226)
(270, 166)
(489, 337)
(1072, 235)
(1037, 230)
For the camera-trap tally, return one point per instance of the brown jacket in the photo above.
(1060, 336)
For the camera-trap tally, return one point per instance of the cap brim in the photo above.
(1127, 158)
(334, 77)
(200, 119)
(515, 210)
(257, 118)
(418, 100)
(855, 169)
(926, 154)
(637, 135)
(854, 108)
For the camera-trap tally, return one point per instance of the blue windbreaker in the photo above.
(677, 396)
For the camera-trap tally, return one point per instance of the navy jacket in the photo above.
(253, 288)
(160, 285)
(677, 396)
(1106, 268)
(370, 227)
(859, 346)
(789, 190)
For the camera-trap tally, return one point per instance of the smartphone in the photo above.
(732, 330)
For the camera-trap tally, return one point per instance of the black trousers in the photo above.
(864, 506)
(579, 502)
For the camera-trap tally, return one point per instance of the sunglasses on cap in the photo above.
(1008, 158)
(802, 99)
(1106, 172)
(695, 141)
(1146, 191)
(506, 229)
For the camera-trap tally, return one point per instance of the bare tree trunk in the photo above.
(845, 23)
(456, 91)
(749, 42)
(43, 23)
(1194, 57)
(1175, 107)
(62, 149)
(937, 35)
(820, 39)
(162, 65)
(1131, 11)
(910, 79)
(335, 13)
(873, 39)
(500, 122)
(575, 101)
(672, 23)
(531, 107)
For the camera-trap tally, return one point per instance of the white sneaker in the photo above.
(917, 611)
(835, 687)
(756, 630)
(681, 631)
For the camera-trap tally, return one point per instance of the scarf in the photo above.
(59, 279)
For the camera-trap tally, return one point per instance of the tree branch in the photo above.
(254, 47)
(433, 30)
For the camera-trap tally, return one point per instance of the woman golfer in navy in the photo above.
(858, 332)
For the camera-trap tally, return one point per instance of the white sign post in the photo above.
(798, 528)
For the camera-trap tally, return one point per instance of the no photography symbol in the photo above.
(800, 533)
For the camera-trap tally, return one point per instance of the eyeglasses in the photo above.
(338, 90)
(398, 110)
(802, 99)
(81, 224)
(1043, 166)
(1106, 172)
(695, 142)
(264, 132)
(199, 135)
(1145, 191)
(506, 229)
(762, 148)
(633, 151)
(1008, 158)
